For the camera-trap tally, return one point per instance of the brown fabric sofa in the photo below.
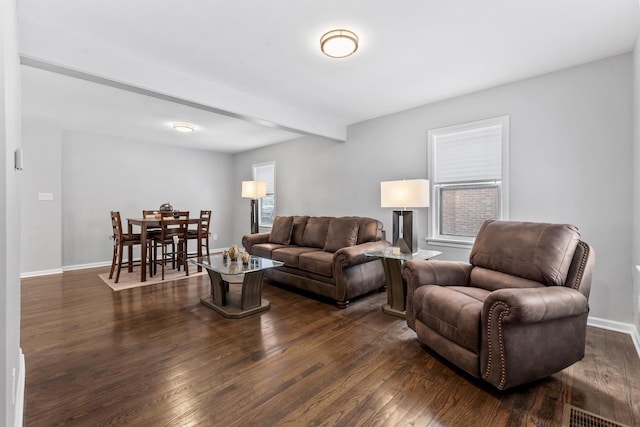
(323, 255)
(516, 312)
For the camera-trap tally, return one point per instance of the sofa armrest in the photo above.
(531, 333)
(354, 255)
(249, 240)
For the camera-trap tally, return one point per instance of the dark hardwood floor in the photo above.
(155, 356)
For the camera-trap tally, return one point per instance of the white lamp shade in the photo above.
(408, 193)
(254, 189)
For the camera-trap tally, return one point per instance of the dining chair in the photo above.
(120, 241)
(166, 215)
(192, 234)
(172, 240)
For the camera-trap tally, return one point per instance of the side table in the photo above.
(396, 287)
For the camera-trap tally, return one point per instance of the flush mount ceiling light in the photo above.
(339, 43)
(183, 127)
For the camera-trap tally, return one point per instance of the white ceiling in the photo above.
(260, 60)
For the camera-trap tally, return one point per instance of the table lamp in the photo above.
(408, 193)
(254, 190)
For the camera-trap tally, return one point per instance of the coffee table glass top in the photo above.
(219, 265)
(421, 254)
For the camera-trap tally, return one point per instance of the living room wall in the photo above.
(90, 175)
(571, 135)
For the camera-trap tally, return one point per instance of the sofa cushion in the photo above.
(369, 230)
(265, 250)
(281, 230)
(315, 232)
(535, 251)
(297, 234)
(319, 262)
(290, 254)
(342, 233)
(452, 311)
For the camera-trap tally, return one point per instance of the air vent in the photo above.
(576, 417)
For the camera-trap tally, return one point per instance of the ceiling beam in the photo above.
(67, 71)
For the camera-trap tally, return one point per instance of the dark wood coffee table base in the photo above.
(236, 300)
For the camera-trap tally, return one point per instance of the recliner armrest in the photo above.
(433, 272)
(354, 255)
(249, 240)
(420, 272)
(535, 305)
(531, 333)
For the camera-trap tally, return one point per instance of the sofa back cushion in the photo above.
(297, 234)
(281, 230)
(315, 232)
(343, 232)
(535, 251)
(369, 230)
(492, 280)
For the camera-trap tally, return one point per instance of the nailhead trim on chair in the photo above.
(501, 316)
(583, 264)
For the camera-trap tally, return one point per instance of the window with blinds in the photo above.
(468, 167)
(266, 172)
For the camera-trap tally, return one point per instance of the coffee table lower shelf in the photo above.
(232, 309)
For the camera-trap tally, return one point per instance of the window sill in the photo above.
(450, 243)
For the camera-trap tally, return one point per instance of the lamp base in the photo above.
(405, 235)
(254, 216)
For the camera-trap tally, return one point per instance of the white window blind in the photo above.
(266, 173)
(470, 155)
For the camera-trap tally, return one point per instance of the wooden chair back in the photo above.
(116, 224)
(205, 222)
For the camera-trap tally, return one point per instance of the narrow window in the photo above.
(267, 206)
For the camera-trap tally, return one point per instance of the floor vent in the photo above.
(576, 417)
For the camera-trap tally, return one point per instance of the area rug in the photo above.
(132, 280)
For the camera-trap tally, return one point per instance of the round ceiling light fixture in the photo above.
(339, 43)
(183, 127)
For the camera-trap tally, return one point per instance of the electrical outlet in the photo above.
(215, 237)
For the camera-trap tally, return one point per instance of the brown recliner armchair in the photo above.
(516, 312)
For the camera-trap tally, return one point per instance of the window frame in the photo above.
(433, 232)
(254, 173)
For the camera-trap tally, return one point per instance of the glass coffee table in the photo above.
(236, 288)
(396, 287)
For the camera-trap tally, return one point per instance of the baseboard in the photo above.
(40, 273)
(612, 325)
(84, 266)
(19, 396)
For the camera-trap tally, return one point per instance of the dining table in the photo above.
(145, 224)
